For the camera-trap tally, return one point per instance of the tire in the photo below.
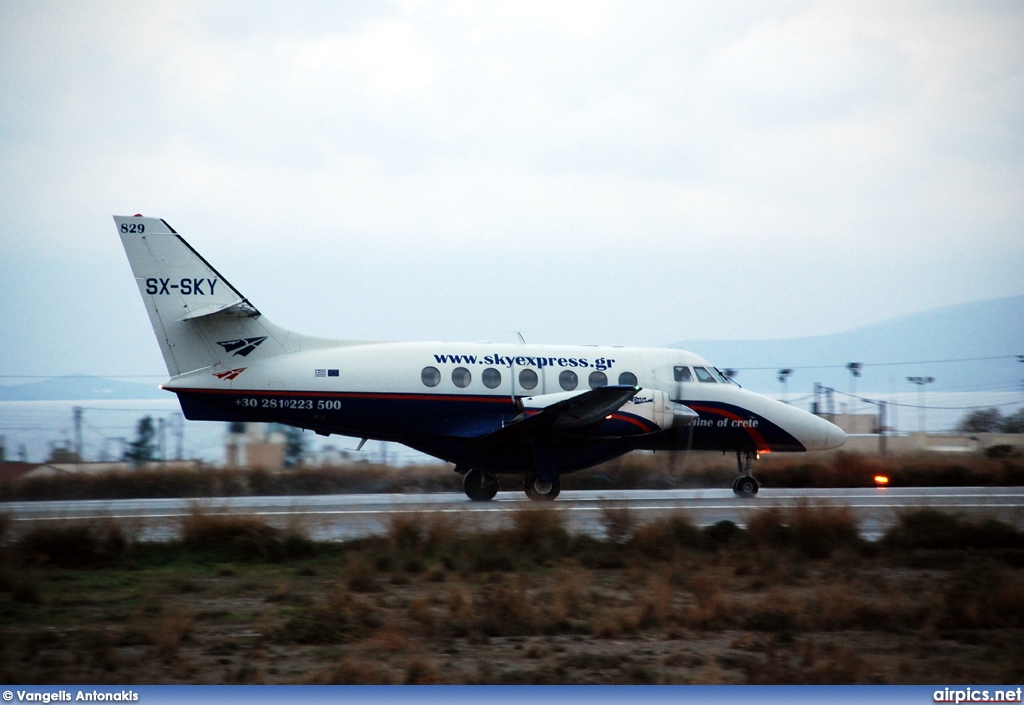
(540, 491)
(745, 486)
(480, 486)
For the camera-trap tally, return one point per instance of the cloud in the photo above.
(655, 167)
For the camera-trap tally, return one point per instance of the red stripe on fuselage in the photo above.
(759, 443)
(639, 423)
(342, 395)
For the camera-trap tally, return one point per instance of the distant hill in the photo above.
(891, 351)
(80, 387)
(980, 342)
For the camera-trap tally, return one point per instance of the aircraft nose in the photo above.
(835, 437)
(826, 435)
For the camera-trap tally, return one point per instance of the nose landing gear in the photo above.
(745, 485)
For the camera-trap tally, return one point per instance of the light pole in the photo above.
(854, 368)
(920, 382)
(783, 374)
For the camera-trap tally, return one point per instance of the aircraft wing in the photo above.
(568, 412)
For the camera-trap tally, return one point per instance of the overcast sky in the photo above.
(592, 172)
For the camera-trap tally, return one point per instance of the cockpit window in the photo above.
(703, 375)
(721, 377)
(683, 374)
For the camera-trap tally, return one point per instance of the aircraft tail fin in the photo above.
(199, 319)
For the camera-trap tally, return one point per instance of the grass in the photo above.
(796, 597)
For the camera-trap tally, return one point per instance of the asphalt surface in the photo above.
(339, 517)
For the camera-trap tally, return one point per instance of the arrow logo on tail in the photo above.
(241, 347)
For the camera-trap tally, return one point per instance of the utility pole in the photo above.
(162, 439)
(179, 436)
(76, 413)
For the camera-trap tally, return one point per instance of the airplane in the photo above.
(539, 411)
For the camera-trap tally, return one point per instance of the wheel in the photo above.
(539, 490)
(480, 486)
(745, 486)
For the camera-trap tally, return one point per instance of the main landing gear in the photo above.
(478, 485)
(482, 486)
(745, 485)
(541, 490)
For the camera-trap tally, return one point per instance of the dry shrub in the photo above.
(442, 529)
(341, 618)
(353, 671)
(360, 575)
(619, 523)
(655, 604)
(572, 588)
(664, 539)
(835, 606)
(615, 622)
(714, 608)
(539, 534)
(171, 630)
(391, 638)
(983, 597)
(232, 537)
(818, 531)
(779, 611)
(722, 534)
(814, 532)
(459, 606)
(421, 671)
(767, 529)
(930, 529)
(504, 609)
(74, 544)
(406, 531)
(422, 613)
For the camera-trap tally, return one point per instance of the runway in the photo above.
(340, 517)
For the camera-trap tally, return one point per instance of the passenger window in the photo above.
(491, 378)
(527, 379)
(703, 375)
(430, 376)
(627, 378)
(568, 380)
(683, 374)
(598, 379)
(461, 377)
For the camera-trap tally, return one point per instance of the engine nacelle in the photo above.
(648, 411)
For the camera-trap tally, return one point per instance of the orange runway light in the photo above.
(881, 480)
